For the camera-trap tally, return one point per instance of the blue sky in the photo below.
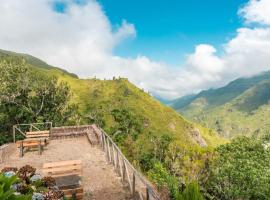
(170, 48)
(168, 30)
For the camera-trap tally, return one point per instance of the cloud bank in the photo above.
(82, 40)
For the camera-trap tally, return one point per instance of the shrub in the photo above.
(240, 171)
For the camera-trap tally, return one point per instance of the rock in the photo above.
(196, 135)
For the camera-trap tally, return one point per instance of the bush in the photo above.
(161, 177)
(240, 171)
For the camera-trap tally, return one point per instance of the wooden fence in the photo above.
(5, 151)
(69, 131)
(138, 185)
(21, 129)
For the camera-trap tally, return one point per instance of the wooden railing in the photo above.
(69, 131)
(137, 184)
(23, 128)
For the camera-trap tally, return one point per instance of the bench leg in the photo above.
(21, 149)
(39, 148)
(74, 195)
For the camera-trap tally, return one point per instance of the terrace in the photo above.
(105, 175)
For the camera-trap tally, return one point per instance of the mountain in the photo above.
(239, 108)
(152, 135)
(108, 95)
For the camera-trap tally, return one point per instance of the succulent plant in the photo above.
(48, 181)
(26, 172)
(24, 188)
(38, 196)
(35, 177)
(9, 174)
(9, 169)
(54, 195)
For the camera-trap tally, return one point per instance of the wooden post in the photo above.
(21, 149)
(102, 142)
(14, 134)
(133, 184)
(117, 162)
(128, 178)
(109, 151)
(123, 170)
(113, 152)
(31, 127)
(50, 133)
(147, 193)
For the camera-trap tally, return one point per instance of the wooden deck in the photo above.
(99, 180)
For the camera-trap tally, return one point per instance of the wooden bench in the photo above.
(38, 135)
(22, 144)
(68, 168)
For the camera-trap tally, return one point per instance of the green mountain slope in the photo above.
(153, 136)
(240, 108)
(107, 95)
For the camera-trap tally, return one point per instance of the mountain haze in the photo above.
(239, 108)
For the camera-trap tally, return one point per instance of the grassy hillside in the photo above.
(153, 136)
(120, 93)
(240, 108)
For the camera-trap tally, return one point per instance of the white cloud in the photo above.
(82, 41)
(256, 11)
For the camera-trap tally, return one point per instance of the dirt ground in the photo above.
(99, 180)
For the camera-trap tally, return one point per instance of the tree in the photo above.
(127, 122)
(31, 96)
(240, 171)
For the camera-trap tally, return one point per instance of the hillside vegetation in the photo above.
(240, 108)
(182, 159)
(149, 133)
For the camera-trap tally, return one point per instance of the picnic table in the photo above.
(30, 144)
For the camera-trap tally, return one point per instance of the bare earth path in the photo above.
(99, 180)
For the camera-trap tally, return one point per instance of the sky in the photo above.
(170, 48)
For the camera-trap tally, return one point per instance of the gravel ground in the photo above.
(99, 180)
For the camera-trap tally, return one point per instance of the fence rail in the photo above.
(136, 182)
(23, 128)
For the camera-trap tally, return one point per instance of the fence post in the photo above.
(113, 152)
(147, 193)
(117, 162)
(21, 149)
(14, 134)
(102, 141)
(133, 184)
(108, 149)
(123, 170)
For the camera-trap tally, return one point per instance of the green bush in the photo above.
(6, 190)
(161, 177)
(240, 171)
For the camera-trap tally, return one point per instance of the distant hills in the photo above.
(240, 108)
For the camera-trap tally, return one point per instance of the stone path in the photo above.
(99, 180)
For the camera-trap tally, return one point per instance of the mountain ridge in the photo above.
(231, 109)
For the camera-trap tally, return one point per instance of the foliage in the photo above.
(127, 123)
(162, 178)
(29, 96)
(6, 190)
(24, 184)
(240, 171)
(146, 131)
